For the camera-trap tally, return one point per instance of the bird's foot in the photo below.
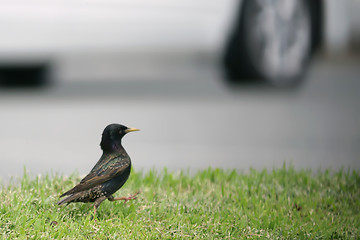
(130, 197)
(93, 217)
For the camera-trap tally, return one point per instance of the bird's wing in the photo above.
(95, 178)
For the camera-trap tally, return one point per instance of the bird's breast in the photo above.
(116, 183)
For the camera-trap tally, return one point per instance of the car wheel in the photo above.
(24, 75)
(271, 41)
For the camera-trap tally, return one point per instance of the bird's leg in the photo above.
(97, 203)
(130, 197)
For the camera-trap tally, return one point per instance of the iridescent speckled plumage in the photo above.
(108, 175)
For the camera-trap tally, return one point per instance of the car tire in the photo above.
(24, 75)
(272, 41)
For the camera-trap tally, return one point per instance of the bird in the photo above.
(108, 175)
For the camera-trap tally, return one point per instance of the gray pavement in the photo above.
(189, 119)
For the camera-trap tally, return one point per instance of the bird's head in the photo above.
(112, 135)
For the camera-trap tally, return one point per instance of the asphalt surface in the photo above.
(189, 119)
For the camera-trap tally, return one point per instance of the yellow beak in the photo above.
(131, 130)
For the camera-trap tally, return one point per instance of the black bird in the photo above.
(108, 175)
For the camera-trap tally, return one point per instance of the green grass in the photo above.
(212, 204)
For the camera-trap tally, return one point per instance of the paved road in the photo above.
(189, 120)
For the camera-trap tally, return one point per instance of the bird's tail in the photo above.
(68, 199)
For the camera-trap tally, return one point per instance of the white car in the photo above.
(268, 39)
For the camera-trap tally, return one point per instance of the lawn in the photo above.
(211, 204)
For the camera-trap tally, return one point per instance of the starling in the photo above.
(108, 175)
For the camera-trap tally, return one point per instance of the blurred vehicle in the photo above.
(272, 40)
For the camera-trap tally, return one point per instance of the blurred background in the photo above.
(230, 84)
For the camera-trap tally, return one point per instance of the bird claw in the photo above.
(131, 197)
